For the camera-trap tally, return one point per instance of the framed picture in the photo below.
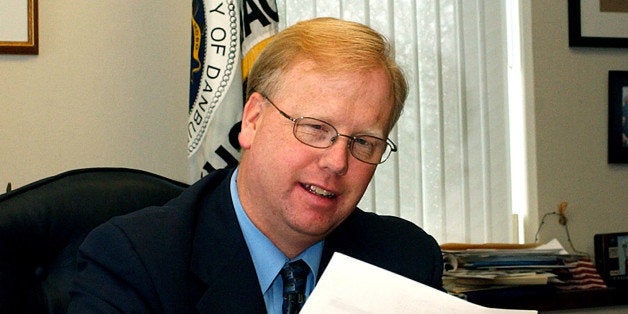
(598, 23)
(18, 27)
(618, 116)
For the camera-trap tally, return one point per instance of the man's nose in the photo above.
(336, 157)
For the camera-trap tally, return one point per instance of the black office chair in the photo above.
(43, 223)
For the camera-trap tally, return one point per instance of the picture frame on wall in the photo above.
(19, 27)
(618, 116)
(598, 23)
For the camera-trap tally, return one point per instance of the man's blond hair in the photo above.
(336, 46)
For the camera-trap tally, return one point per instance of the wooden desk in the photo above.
(548, 298)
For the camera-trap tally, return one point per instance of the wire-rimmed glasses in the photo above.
(320, 134)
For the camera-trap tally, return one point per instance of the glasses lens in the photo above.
(320, 134)
(370, 149)
(314, 132)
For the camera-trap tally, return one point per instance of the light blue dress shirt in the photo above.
(268, 259)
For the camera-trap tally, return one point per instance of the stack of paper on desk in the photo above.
(479, 268)
(352, 286)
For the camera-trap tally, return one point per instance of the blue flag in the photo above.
(227, 36)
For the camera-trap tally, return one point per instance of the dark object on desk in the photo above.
(611, 257)
(547, 298)
(43, 223)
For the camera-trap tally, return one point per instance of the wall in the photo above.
(108, 88)
(571, 105)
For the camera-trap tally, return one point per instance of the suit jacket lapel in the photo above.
(346, 239)
(335, 242)
(220, 257)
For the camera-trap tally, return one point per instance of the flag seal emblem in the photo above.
(215, 53)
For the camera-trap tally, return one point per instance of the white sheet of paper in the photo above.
(349, 285)
(552, 245)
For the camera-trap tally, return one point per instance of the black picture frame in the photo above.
(618, 117)
(577, 39)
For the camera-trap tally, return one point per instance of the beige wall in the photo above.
(110, 88)
(571, 105)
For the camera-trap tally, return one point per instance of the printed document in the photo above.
(351, 286)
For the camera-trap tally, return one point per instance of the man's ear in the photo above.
(251, 119)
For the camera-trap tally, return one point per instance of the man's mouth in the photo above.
(318, 191)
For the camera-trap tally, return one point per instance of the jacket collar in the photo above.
(218, 244)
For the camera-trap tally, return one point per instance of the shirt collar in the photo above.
(267, 258)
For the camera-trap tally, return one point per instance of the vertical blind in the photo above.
(451, 175)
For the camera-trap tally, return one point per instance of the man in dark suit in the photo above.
(321, 100)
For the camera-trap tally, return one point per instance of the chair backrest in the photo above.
(43, 223)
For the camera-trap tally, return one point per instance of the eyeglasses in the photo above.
(320, 134)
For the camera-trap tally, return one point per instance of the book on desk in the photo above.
(541, 277)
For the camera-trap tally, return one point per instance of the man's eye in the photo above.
(362, 142)
(317, 126)
(314, 128)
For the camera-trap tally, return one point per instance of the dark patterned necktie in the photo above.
(294, 276)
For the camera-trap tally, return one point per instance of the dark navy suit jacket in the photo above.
(190, 256)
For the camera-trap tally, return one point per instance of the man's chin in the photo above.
(317, 229)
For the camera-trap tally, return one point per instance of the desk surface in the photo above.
(548, 298)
